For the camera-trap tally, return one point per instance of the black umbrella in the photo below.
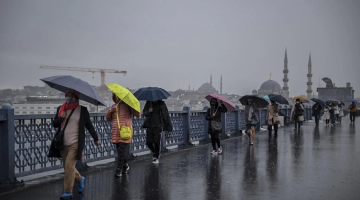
(151, 94)
(318, 101)
(258, 101)
(64, 83)
(332, 101)
(278, 99)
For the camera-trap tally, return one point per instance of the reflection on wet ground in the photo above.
(316, 163)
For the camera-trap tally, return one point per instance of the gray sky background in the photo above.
(172, 44)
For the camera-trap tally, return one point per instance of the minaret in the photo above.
(211, 79)
(286, 79)
(309, 83)
(221, 84)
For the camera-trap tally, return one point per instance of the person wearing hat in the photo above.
(272, 116)
(297, 114)
(71, 119)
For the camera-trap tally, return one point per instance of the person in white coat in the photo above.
(341, 113)
(327, 115)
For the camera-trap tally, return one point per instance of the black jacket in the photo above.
(316, 109)
(84, 122)
(160, 116)
(217, 117)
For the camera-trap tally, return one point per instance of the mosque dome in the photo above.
(270, 85)
(207, 88)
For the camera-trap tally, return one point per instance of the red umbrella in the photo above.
(230, 106)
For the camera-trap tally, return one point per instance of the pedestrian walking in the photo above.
(336, 111)
(213, 115)
(316, 110)
(297, 114)
(157, 120)
(272, 116)
(341, 113)
(251, 119)
(332, 113)
(353, 110)
(120, 114)
(327, 115)
(71, 119)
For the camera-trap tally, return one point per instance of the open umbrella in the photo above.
(302, 98)
(228, 104)
(64, 83)
(333, 101)
(258, 101)
(278, 98)
(266, 97)
(318, 101)
(151, 94)
(125, 95)
(353, 101)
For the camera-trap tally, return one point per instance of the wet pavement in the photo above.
(321, 163)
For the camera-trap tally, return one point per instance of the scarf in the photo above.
(69, 106)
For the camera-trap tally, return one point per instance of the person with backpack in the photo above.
(120, 115)
(213, 115)
(297, 114)
(157, 120)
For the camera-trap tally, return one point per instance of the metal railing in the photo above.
(26, 139)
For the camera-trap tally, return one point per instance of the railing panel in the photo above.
(230, 123)
(197, 126)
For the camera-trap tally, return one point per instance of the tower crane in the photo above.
(93, 70)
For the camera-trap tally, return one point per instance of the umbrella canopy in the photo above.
(228, 104)
(318, 101)
(125, 95)
(266, 97)
(151, 94)
(278, 99)
(332, 101)
(302, 98)
(258, 101)
(64, 83)
(353, 101)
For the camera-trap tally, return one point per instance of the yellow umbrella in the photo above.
(302, 98)
(125, 95)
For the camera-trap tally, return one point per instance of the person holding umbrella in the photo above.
(213, 115)
(316, 109)
(341, 113)
(157, 120)
(120, 114)
(332, 113)
(251, 119)
(353, 110)
(327, 115)
(272, 116)
(71, 119)
(297, 114)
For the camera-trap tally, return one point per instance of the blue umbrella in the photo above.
(278, 98)
(266, 97)
(318, 101)
(353, 100)
(151, 94)
(64, 83)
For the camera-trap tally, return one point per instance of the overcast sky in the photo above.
(172, 44)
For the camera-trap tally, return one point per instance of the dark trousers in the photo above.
(297, 124)
(327, 121)
(332, 117)
(276, 127)
(317, 119)
(352, 116)
(215, 139)
(153, 137)
(121, 148)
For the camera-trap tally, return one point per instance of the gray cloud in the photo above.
(176, 43)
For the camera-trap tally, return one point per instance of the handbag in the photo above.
(59, 138)
(124, 131)
(215, 125)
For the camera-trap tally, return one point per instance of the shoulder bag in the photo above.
(59, 138)
(124, 131)
(215, 125)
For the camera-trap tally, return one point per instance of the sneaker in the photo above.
(213, 152)
(81, 185)
(66, 196)
(156, 160)
(118, 173)
(220, 150)
(125, 169)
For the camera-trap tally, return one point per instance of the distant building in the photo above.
(268, 87)
(332, 92)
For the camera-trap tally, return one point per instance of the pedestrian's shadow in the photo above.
(272, 161)
(250, 171)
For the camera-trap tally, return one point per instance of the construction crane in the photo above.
(93, 70)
